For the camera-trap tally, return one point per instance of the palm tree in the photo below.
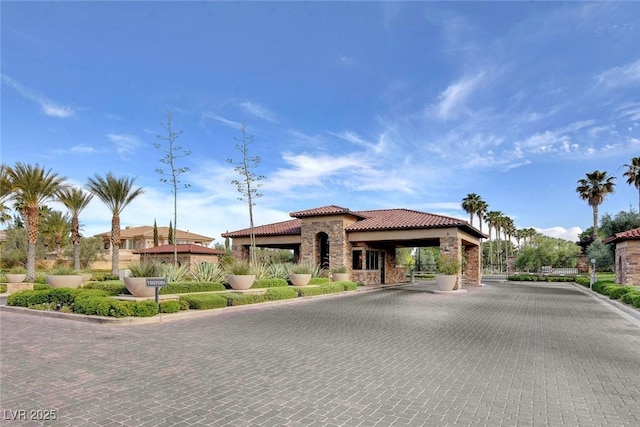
(493, 218)
(5, 192)
(75, 200)
(633, 175)
(483, 207)
(594, 188)
(32, 186)
(471, 205)
(55, 228)
(116, 193)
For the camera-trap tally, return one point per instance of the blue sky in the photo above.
(366, 105)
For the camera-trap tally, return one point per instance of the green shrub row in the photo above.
(319, 281)
(188, 287)
(202, 301)
(270, 283)
(3, 289)
(627, 294)
(113, 287)
(538, 278)
(272, 294)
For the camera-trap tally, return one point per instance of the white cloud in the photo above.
(226, 122)
(626, 75)
(570, 234)
(125, 144)
(49, 107)
(258, 110)
(453, 99)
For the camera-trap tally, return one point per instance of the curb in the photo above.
(183, 315)
(629, 313)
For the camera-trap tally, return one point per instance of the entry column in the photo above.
(473, 270)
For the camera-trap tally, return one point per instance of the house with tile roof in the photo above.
(139, 238)
(627, 256)
(365, 241)
(188, 254)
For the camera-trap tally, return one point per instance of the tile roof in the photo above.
(633, 234)
(146, 231)
(276, 229)
(322, 211)
(372, 220)
(182, 249)
(402, 219)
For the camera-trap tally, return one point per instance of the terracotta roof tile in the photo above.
(182, 249)
(324, 210)
(398, 219)
(279, 228)
(633, 234)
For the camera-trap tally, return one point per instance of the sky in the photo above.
(365, 105)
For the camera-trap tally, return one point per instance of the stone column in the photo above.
(452, 247)
(473, 273)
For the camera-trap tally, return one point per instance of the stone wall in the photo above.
(628, 262)
(339, 247)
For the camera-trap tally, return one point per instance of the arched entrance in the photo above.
(322, 249)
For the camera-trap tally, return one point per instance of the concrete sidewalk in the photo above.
(501, 355)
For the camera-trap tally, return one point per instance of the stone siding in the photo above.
(628, 262)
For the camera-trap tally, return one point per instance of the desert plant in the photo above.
(175, 273)
(304, 267)
(146, 269)
(239, 268)
(338, 269)
(260, 269)
(63, 270)
(207, 272)
(448, 265)
(279, 270)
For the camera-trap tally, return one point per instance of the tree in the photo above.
(116, 193)
(623, 221)
(594, 188)
(32, 186)
(492, 218)
(544, 250)
(55, 229)
(249, 183)
(603, 254)
(472, 204)
(171, 234)
(482, 212)
(5, 192)
(155, 234)
(75, 200)
(633, 175)
(171, 155)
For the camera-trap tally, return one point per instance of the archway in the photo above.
(323, 249)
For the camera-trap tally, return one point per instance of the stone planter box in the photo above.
(64, 281)
(137, 286)
(15, 277)
(241, 282)
(17, 287)
(298, 279)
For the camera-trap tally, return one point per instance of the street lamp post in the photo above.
(593, 273)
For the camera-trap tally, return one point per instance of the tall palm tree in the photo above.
(75, 200)
(483, 207)
(633, 175)
(116, 193)
(471, 204)
(493, 218)
(5, 192)
(32, 186)
(594, 188)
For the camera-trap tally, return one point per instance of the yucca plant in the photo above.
(207, 272)
(146, 269)
(238, 268)
(63, 270)
(260, 269)
(280, 270)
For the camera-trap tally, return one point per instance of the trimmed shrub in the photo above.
(113, 287)
(349, 286)
(188, 287)
(3, 289)
(235, 299)
(145, 309)
(319, 281)
(619, 291)
(627, 298)
(184, 304)
(203, 301)
(169, 307)
(41, 286)
(88, 301)
(279, 293)
(308, 291)
(59, 296)
(114, 308)
(269, 283)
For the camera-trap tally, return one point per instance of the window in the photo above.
(356, 260)
(372, 260)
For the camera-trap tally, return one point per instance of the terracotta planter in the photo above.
(241, 282)
(15, 277)
(340, 277)
(446, 282)
(64, 281)
(137, 286)
(298, 279)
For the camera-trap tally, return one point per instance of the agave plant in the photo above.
(280, 270)
(261, 270)
(175, 273)
(207, 272)
(146, 269)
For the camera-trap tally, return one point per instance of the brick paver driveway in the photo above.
(502, 355)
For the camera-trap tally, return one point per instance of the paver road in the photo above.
(502, 355)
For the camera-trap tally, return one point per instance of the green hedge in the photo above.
(113, 287)
(327, 288)
(169, 307)
(203, 301)
(270, 283)
(3, 289)
(276, 294)
(188, 287)
(539, 278)
(58, 296)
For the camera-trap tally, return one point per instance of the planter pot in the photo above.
(241, 282)
(446, 282)
(137, 286)
(340, 277)
(64, 281)
(15, 277)
(86, 277)
(298, 279)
